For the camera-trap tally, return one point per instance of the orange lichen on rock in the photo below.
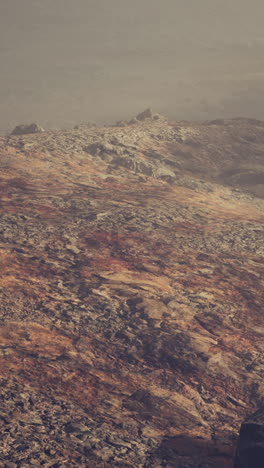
(131, 294)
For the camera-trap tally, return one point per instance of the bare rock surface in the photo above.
(131, 289)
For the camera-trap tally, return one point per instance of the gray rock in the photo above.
(164, 172)
(121, 123)
(101, 149)
(146, 114)
(133, 121)
(25, 129)
(250, 448)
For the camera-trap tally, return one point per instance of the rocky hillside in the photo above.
(131, 287)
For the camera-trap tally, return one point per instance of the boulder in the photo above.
(24, 129)
(146, 114)
(164, 172)
(99, 148)
(250, 447)
(133, 121)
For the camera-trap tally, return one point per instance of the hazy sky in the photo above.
(65, 62)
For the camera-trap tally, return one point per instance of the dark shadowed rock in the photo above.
(146, 114)
(250, 449)
(188, 452)
(24, 129)
(131, 290)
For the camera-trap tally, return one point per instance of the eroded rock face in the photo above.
(25, 129)
(250, 449)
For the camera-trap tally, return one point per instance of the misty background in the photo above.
(65, 62)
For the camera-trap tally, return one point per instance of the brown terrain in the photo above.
(131, 293)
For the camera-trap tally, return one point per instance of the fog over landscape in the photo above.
(65, 62)
(131, 234)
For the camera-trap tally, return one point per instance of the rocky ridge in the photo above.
(131, 293)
